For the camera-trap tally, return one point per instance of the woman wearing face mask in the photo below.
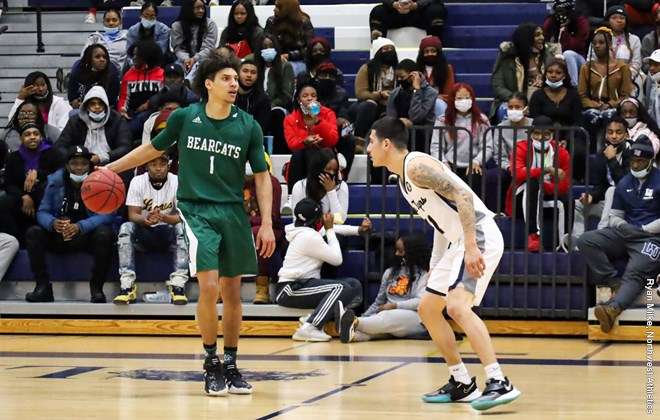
(293, 29)
(243, 31)
(394, 312)
(26, 172)
(279, 82)
(318, 52)
(571, 30)
(149, 28)
(604, 83)
(194, 35)
(439, 74)
(499, 146)
(639, 122)
(520, 66)
(53, 109)
(26, 113)
(97, 127)
(461, 149)
(93, 69)
(113, 38)
(374, 82)
(538, 165)
(309, 128)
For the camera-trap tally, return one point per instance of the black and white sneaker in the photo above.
(497, 392)
(346, 322)
(235, 381)
(214, 378)
(454, 391)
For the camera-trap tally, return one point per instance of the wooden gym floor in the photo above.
(106, 377)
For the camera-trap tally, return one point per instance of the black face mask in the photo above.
(388, 58)
(326, 87)
(398, 261)
(430, 60)
(157, 183)
(405, 84)
(619, 147)
(318, 58)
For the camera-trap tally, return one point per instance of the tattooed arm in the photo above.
(428, 175)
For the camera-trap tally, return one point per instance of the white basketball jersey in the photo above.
(439, 211)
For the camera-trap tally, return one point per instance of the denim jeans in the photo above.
(573, 63)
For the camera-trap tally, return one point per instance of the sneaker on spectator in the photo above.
(90, 18)
(533, 242)
(178, 295)
(308, 332)
(287, 208)
(303, 319)
(166, 3)
(126, 296)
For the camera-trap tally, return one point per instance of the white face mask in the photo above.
(631, 122)
(463, 105)
(541, 146)
(643, 173)
(515, 115)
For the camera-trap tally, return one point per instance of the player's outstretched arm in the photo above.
(427, 175)
(135, 158)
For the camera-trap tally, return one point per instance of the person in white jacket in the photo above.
(300, 285)
(38, 89)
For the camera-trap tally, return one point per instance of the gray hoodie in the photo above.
(96, 141)
(388, 294)
(422, 105)
(307, 252)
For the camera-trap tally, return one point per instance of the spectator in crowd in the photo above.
(633, 231)
(374, 82)
(279, 81)
(300, 284)
(8, 250)
(439, 73)
(413, 100)
(293, 30)
(243, 32)
(93, 69)
(428, 15)
(639, 122)
(149, 28)
(625, 46)
(168, 102)
(97, 127)
(251, 97)
(650, 41)
(499, 147)
(266, 265)
(394, 312)
(194, 35)
(538, 165)
(66, 225)
(26, 113)
(113, 38)
(307, 129)
(26, 173)
(318, 53)
(95, 5)
(652, 86)
(53, 109)
(607, 169)
(462, 149)
(560, 101)
(520, 66)
(173, 84)
(153, 225)
(142, 81)
(604, 82)
(568, 28)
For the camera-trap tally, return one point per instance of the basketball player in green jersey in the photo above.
(215, 139)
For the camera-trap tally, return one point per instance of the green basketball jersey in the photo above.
(212, 153)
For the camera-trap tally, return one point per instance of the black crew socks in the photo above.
(211, 350)
(230, 357)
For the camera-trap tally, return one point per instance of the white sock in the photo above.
(460, 373)
(494, 371)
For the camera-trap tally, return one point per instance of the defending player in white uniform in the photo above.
(467, 248)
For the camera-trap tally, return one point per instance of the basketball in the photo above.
(103, 192)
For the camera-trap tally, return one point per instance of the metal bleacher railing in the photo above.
(550, 284)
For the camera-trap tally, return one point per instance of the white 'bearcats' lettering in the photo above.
(214, 146)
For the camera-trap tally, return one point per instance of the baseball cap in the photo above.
(615, 10)
(79, 151)
(307, 212)
(642, 147)
(173, 69)
(655, 56)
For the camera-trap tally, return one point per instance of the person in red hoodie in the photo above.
(308, 128)
(143, 80)
(538, 166)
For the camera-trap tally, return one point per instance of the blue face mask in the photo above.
(96, 116)
(111, 31)
(313, 109)
(78, 179)
(268, 54)
(147, 24)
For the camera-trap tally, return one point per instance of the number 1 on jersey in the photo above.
(211, 165)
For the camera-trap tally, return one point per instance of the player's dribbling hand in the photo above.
(474, 262)
(265, 241)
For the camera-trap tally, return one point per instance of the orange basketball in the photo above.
(103, 191)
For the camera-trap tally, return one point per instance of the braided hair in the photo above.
(607, 35)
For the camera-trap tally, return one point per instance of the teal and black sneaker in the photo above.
(454, 391)
(497, 392)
